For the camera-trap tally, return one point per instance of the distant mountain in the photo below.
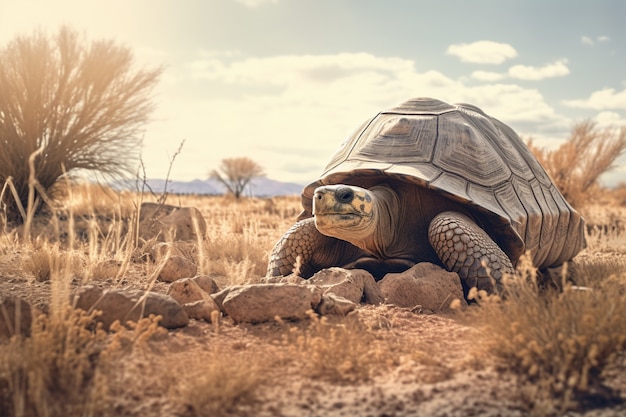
(258, 187)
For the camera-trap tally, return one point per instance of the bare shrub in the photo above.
(578, 163)
(73, 106)
(559, 341)
(236, 173)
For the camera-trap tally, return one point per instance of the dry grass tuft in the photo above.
(218, 384)
(338, 352)
(559, 341)
(53, 373)
(240, 234)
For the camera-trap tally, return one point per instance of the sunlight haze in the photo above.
(285, 81)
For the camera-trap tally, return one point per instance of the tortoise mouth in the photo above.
(340, 216)
(332, 223)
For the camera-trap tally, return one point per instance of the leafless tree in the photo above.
(236, 173)
(577, 164)
(83, 105)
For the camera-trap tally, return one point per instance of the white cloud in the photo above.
(610, 118)
(488, 76)
(604, 99)
(482, 52)
(309, 101)
(525, 72)
(586, 40)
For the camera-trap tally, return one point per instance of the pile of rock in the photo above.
(167, 236)
(424, 288)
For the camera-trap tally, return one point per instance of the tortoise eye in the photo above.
(344, 195)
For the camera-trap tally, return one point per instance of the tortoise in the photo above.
(427, 181)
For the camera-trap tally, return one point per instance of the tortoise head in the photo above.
(344, 211)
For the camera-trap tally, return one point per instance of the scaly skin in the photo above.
(315, 251)
(466, 249)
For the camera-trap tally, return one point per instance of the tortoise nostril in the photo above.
(344, 195)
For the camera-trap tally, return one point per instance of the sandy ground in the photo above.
(437, 372)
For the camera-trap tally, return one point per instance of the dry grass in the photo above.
(240, 234)
(559, 341)
(53, 372)
(218, 383)
(337, 352)
(577, 164)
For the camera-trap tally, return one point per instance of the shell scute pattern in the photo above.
(469, 157)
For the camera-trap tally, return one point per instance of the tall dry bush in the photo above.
(70, 105)
(577, 164)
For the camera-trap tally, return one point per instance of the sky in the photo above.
(284, 82)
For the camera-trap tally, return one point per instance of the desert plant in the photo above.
(236, 174)
(71, 106)
(340, 352)
(577, 164)
(219, 383)
(559, 341)
(53, 372)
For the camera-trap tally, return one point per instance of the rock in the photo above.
(425, 284)
(131, 305)
(289, 279)
(15, 316)
(176, 259)
(259, 303)
(220, 296)
(345, 283)
(355, 285)
(332, 304)
(177, 267)
(166, 223)
(371, 291)
(201, 309)
(188, 290)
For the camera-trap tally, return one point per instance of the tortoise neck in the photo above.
(385, 209)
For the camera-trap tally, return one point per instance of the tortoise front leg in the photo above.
(305, 247)
(466, 249)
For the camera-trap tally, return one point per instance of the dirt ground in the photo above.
(433, 368)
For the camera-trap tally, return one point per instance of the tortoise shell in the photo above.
(468, 157)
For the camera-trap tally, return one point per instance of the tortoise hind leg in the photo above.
(466, 249)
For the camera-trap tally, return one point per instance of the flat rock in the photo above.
(259, 303)
(131, 305)
(15, 316)
(425, 284)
